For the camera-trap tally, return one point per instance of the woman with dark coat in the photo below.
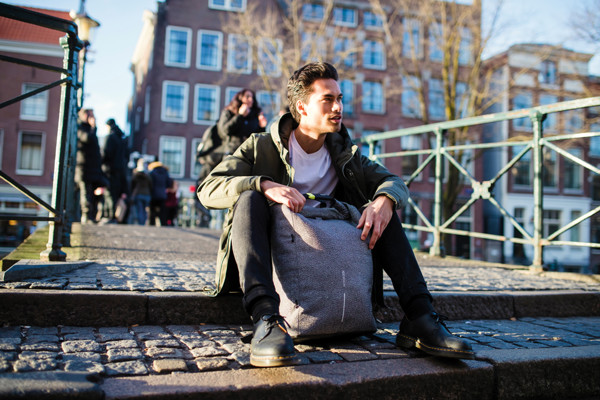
(241, 118)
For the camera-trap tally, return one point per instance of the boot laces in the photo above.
(275, 321)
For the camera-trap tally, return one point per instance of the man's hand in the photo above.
(375, 219)
(282, 194)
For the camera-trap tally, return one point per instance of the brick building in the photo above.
(193, 56)
(529, 75)
(28, 129)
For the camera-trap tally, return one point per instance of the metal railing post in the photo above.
(53, 252)
(436, 248)
(538, 191)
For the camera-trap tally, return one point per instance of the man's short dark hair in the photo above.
(299, 85)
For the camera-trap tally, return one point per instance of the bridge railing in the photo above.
(439, 154)
(67, 124)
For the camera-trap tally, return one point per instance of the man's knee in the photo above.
(251, 199)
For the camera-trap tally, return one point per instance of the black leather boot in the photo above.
(429, 334)
(271, 344)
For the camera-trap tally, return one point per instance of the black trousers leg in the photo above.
(251, 245)
(395, 255)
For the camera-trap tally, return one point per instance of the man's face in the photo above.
(322, 113)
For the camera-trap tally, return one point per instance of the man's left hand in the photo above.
(375, 219)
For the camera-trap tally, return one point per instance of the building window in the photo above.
(347, 88)
(343, 16)
(209, 53)
(373, 20)
(313, 12)
(147, 105)
(550, 169)
(522, 101)
(172, 154)
(550, 121)
(230, 93)
(547, 73)
(551, 222)
(411, 106)
(34, 108)
(227, 5)
(462, 100)
(378, 148)
(206, 104)
(30, 154)
(195, 165)
(178, 47)
(269, 103)
(313, 47)
(437, 104)
(174, 101)
(595, 141)
(372, 97)
(465, 48)
(573, 173)
(435, 42)
(573, 119)
(521, 171)
(373, 55)
(411, 38)
(269, 56)
(410, 163)
(239, 54)
(575, 232)
(518, 248)
(343, 52)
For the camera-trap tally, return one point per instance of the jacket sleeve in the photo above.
(230, 178)
(230, 124)
(380, 181)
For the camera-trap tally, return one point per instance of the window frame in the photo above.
(30, 172)
(577, 170)
(522, 124)
(215, 113)
(344, 12)
(408, 88)
(193, 161)
(548, 76)
(311, 17)
(412, 23)
(172, 172)
(219, 61)
(227, 6)
(273, 72)
(188, 47)
(163, 116)
(41, 97)
(347, 88)
(376, 49)
(371, 16)
(364, 91)
(274, 106)
(232, 51)
(528, 158)
(438, 90)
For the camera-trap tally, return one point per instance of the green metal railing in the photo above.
(483, 190)
(66, 131)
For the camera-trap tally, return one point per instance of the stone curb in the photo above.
(49, 385)
(555, 373)
(31, 269)
(113, 308)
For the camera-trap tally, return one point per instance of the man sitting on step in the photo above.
(264, 170)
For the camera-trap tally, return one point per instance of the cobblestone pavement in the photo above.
(149, 350)
(197, 275)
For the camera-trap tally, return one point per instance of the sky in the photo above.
(109, 81)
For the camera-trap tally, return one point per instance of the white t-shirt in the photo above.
(314, 173)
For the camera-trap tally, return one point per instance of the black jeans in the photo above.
(250, 241)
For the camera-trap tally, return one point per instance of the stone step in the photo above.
(119, 308)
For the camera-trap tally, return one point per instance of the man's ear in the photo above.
(300, 107)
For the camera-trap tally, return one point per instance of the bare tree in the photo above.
(585, 22)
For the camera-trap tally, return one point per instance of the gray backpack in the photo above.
(322, 270)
